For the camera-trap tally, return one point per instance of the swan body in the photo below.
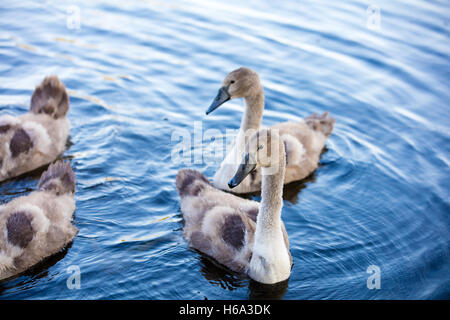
(241, 234)
(304, 140)
(38, 225)
(38, 137)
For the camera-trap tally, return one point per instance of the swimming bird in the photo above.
(38, 137)
(241, 234)
(304, 140)
(38, 225)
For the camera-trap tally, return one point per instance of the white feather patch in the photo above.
(295, 152)
(39, 136)
(6, 262)
(8, 119)
(40, 222)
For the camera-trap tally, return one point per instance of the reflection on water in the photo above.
(219, 276)
(260, 291)
(139, 70)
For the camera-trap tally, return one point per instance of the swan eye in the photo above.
(232, 81)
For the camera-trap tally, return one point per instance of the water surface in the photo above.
(138, 70)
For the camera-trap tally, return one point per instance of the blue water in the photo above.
(138, 70)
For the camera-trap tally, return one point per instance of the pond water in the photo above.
(138, 70)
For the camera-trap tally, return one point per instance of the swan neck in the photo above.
(270, 262)
(269, 217)
(254, 107)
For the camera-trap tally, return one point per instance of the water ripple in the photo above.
(137, 71)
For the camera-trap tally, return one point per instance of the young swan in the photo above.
(38, 225)
(241, 234)
(304, 140)
(38, 137)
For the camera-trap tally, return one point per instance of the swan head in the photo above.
(264, 149)
(239, 83)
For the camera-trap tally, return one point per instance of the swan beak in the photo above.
(247, 166)
(222, 97)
